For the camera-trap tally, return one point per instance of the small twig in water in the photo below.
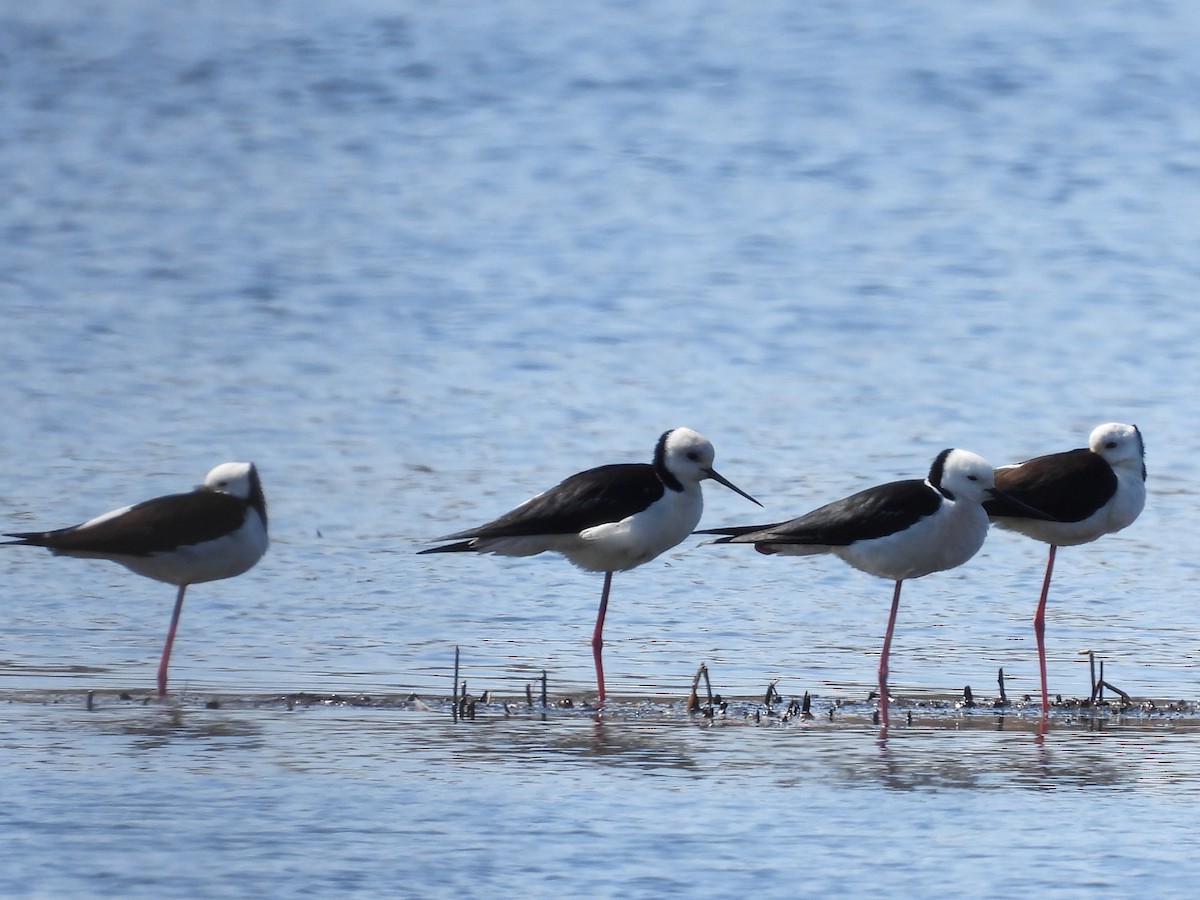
(793, 709)
(1000, 680)
(1091, 655)
(772, 694)
(454, 703)
(1125, 698)
(693, 704)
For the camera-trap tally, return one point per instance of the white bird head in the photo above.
(1119, 445)
(688, 456)
(238, 479)
(962, 475)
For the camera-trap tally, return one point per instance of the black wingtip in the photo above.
(726, 539)
(731, 533)
(24, 539)
(1005, 506)
(460, 547)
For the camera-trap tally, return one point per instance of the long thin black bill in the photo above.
(729, 484)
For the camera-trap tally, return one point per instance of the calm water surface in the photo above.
(322, 800)
(421, 261)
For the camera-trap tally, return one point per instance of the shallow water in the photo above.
(259, 798)
(419, 263)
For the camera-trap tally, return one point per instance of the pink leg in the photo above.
(1039, 631)
(598, 640)
(883, 657)
(166, 654)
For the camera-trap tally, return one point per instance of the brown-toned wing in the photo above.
(153, 526)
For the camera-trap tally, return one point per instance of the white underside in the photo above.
(1125, 506)
(617, 546)
(942, 541)
(225, 557)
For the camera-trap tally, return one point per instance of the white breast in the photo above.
(225, 557)
(623, 545)
(946, 539)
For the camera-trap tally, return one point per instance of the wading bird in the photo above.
(900, 530)
(1087, 492)
(608, 519)
(217, 531)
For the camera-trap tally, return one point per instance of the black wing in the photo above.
(1067, 486)
(873, 513)
(152, 526)
(600, 495)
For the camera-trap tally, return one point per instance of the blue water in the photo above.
(328, 801)
(420, 261)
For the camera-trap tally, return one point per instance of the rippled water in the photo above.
(263, 800)
(422, 261)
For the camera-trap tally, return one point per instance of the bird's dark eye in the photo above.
(693, 455)
(972, 477)
(1110, 445)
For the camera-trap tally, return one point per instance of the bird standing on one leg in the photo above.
(1088, 492)
(217, 531)
(608, 519)
(900, 530)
